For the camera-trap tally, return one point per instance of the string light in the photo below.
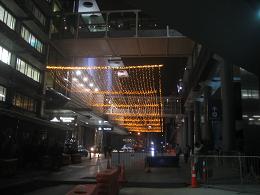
(50, 67)
(133, 102)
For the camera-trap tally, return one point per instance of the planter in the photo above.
(75, 158)
(8, 167)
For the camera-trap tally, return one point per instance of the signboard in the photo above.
(105, 128)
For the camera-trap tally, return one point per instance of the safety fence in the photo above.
(129, 159)
(221, 169)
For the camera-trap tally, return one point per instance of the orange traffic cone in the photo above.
(194, 183)
(122, 178)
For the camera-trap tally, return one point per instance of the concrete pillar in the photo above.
(185, 131)
(190, 128)
(228, 123)
(206, 130)
(197, 130)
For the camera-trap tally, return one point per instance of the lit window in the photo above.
(7, 18)
(31, 39)
(249, 94)
(2, 93)
(24, 102)
(28, 70)
(5, 55)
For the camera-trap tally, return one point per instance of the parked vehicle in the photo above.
(83, 151)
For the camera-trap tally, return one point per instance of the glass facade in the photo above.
(7, 18)
(31, 39)
(2, 93)
(24, 102)
(5, 55)
(28, 70)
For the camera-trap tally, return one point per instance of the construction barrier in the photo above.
(107, 182)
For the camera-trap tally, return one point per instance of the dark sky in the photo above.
(171, 72)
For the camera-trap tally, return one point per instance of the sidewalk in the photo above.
(84, 172)
(179, 191)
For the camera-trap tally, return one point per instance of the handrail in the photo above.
(96, 12)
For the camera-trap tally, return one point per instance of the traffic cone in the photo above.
(122, 178)
(204, 173)
(108, 164)
(194, 183)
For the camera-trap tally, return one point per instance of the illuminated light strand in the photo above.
(161, 102)
(138, 81)
(144, 125)
(138, 120)
(133, 114)
(139, 124)
(50, 67)
(145, 131)
(126, 106)
(121, 92)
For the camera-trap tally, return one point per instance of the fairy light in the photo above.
(50, 67)
(133, 102)
(126, 105)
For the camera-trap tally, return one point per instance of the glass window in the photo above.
(28, 70)
(39, 15)
(1, 13)
(7, 18)
(5, 55)
(24, 102)
(31, 39)
(2, 93)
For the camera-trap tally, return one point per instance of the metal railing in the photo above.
(115, 23)
(221, 169)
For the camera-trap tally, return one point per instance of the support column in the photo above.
(206, 130)
(185, 131)
(197, 131)
(228, 123)
(190, 129)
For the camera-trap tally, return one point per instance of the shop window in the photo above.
(5, 55)
(2, 93)
(7, 18)
(28, 70)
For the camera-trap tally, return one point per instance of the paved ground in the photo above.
(159, 180)
(178, 191)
